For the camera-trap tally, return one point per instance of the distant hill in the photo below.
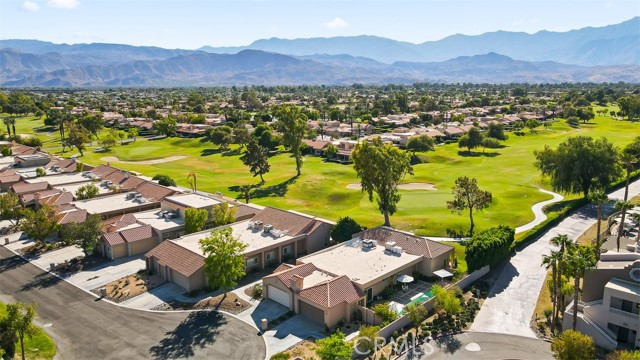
(608, 45)
(253, 67)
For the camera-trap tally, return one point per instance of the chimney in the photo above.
(297, 283)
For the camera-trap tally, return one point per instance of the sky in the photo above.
(190, 24)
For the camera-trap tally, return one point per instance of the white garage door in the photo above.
(279, 296)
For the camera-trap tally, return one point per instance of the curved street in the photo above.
(85, 328)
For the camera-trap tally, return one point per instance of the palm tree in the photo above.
(564, 243)
(553, 261)
(622, 206)
(636, 219)
(9, 122)
(578, 261)
(628, 160)
(598, 197)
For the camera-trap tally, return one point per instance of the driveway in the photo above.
(485, 346)
(161, 294)
(85, 328)
(291, 332)
(512, 299)
(107, 272)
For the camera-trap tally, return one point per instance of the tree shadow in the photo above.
(207, 152)
(197, 331)
(277, 190)
(41, 281)
(478, 154)
(232, 152)
(11, 263)
(449, 344)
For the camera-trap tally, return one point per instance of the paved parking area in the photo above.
(264, 309)
(291, 332)
(106, 273)
(45, 260)
(161, 294)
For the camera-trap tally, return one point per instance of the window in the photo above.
(269, 255)
(252, 262)
(286, 250)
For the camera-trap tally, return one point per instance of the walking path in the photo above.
(540, 216)
(512, 299)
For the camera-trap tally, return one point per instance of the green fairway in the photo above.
(37, 347)
(321, 190)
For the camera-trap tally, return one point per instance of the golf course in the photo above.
(326, 189)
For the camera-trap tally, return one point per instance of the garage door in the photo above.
(279, 296)
(311, 312)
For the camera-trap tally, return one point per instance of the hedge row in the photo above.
(555, 218)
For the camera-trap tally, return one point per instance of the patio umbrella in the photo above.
(405, 279)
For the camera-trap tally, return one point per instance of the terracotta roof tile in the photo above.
(176, 257)
(24, 188)
(73, 216)
(103, 170)
(153, 191)
(137, 233)
(293, 224)
(244, 212)
(332, 292)
(286, 275)
(19, 149)
(412, 244)
(119, 222)
(113, 238)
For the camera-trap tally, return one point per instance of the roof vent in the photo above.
(389, 245)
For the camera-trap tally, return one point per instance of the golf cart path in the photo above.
(143, 162)
(512, 299)
(540, 216)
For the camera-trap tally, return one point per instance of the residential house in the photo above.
(610, 308)
(272, 236)
(132, 240)
(328, 285)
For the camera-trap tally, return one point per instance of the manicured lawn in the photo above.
(321, 189)
(459, 253)
(38, 347)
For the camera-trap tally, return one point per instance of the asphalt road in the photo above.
(85, 328)
(484, 346)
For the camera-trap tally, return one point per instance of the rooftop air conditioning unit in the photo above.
(276, 233)
(389, 245)
(251, 224)
(257, 224)
(368, 243)
(268, 228)
(397, 249)
(130, 195)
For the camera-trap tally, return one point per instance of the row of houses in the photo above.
(312, 275)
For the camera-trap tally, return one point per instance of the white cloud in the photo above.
(63, 4)
(336, 23)
(30, 6)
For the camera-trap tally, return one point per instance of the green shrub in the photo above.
(489, 247)
(280, 356)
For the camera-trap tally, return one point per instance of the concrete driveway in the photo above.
(291, 332)
(512, 299)
(106, 273)
(161, 294)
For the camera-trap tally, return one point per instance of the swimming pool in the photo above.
(421, 299)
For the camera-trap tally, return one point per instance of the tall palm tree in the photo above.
(553, 261)
(636, 219)
(578, 261)
(564, 243)
(628, 161)
(622, 206)
(598, 197)
(8, 122)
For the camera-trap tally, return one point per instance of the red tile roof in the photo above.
(332, 292)
(153, 191)
(73, 216)
(19, 149)
(176, 257)
(139, 233)
(292, 224)
(285, 275)
(117, 223)
(10, 178)
(412, 244)
(24, 188)
(103, 170)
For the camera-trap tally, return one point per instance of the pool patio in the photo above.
(414, 290)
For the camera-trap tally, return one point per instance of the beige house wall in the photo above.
(142, 246)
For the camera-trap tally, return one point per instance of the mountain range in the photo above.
(606, 54)
(608, 45)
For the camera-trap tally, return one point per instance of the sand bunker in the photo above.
(143, 162)
(409, 186)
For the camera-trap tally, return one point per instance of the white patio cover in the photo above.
(442, 273)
